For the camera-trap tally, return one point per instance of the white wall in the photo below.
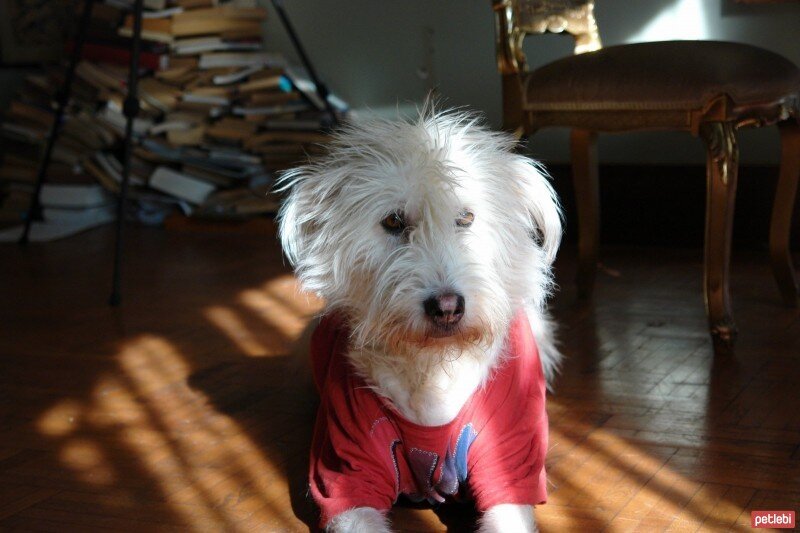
(372, 53)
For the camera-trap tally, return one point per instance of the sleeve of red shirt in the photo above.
(349, 466)
(507, 462)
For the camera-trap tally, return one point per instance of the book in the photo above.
(162, 96)
(180, 185)
(278, 82)
(241, 59)
(191, 46)
(204, 78)
(101, 176)
(159, 25)
(73, 196)
(212, 177)
(183, 62)
(221, 12)
(148, 35)
(153, 29)
(162, 13)
(128, 4)
(59, 224)
(289, 107)
(75, 133)
(236, 75)
(177, 76)
(66, 155)
(27, 112)
(189, 136)
(237, 203)
(177, 121)
(193, 4)
(112, 115)
(31, 134)
(230, 128)
(112, 167)
(105, 77)
(120, 55)
(61, 214)
(86, 120)
(18, 173)
(303, 124)
(233, 28)
(212, 90)
(233, 158)
(286, 136)
(270, 98)
(205, 99)
(282, 148)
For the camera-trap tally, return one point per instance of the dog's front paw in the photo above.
(359, 520)
(508, 518)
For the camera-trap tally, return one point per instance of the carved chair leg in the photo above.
(781, 225)
(721, 176)
(583, 147)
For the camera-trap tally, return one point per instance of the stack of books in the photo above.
(219, 115)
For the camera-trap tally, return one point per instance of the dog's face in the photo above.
(426, 235)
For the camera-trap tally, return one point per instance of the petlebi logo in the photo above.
(772, 519)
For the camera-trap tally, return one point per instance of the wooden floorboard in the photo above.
(183, 410)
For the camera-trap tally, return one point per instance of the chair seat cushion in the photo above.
(663, 75)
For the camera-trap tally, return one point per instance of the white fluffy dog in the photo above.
(431, 242)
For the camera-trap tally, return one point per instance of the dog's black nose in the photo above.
(445, 309)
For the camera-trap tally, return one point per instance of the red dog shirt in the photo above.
(366, 454)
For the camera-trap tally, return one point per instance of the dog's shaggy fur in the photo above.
(437, 174)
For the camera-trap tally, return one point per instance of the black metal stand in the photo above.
(62, 99)
(322, 89)
(130, 109)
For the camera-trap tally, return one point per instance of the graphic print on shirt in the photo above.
(423, 465)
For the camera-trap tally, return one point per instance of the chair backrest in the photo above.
(514, 19)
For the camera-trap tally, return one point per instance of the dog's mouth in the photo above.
(433, 335)
(443, 331)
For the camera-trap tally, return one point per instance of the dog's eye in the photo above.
(395, 223)
(464, 219)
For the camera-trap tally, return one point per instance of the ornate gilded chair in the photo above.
(706, 88)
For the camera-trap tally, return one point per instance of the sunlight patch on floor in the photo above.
(232, 326)
(203, 466)
(279, 304)
(624, 483)
(85, 457)
(61, 419)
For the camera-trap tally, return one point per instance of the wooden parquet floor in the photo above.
(182, 410)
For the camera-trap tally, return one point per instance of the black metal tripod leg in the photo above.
(322, 89)
(62, 98)
(131, 110)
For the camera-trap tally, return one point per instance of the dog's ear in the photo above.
(297, 215)
(307, 224)
(542, 213)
